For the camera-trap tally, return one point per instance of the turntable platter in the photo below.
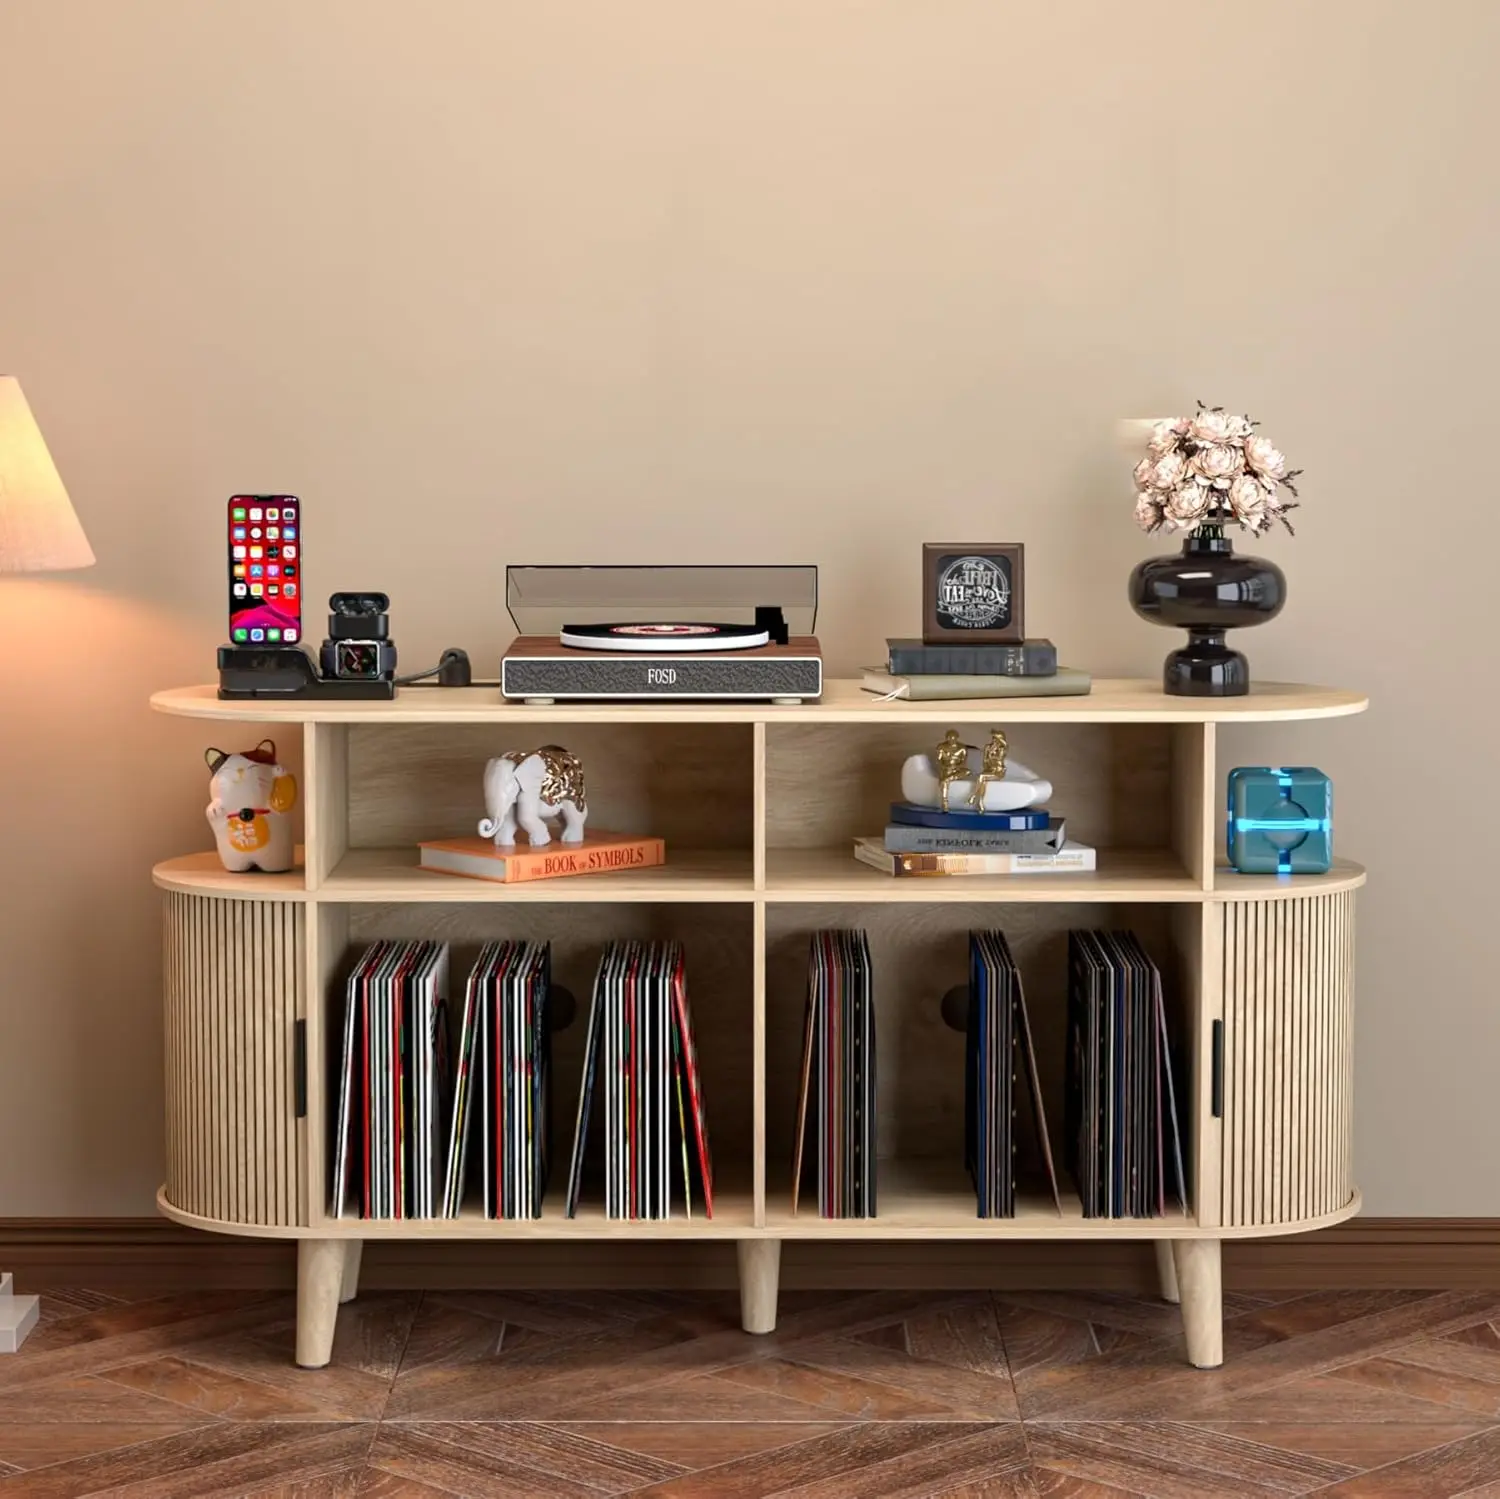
(663, 636)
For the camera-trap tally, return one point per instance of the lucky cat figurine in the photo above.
(250, 800)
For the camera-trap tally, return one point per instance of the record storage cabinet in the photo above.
(759, 805)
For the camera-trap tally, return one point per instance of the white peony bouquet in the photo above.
(1212, 469)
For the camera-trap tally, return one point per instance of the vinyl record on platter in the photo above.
(663, 636)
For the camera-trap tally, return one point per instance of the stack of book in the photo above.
(932, 673)
(1124, 1140)
(925, 841)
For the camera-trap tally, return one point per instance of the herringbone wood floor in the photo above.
(862, 1394)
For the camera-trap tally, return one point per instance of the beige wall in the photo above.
(786, 279)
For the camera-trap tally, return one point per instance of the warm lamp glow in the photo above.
(38, 530)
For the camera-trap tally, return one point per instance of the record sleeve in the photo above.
(640, 1057)
(839, 1076)
(592, 1045)
(1124, 1138)
(697, 1112)
(464, 1068)
(351, 1128)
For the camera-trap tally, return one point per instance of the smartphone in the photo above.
(265, 569)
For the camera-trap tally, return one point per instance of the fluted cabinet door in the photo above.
(233, 985)
(1288, 1062)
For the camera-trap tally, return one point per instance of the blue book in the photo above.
(912, 816)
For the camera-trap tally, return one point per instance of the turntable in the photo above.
(701, 633)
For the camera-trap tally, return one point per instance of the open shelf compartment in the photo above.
(382, 790)
(1135, 792)
(918, 953)
(717, 942)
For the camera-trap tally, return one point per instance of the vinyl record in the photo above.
(660, 637)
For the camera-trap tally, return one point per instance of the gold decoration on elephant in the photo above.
(564, 779)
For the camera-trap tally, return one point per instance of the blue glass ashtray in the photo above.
(1280, 820)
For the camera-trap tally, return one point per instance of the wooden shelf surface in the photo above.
(808, 875)
(734, 1213)
(381, 875)
(392, 874)
(934, 1199)
(1229, 884)
(942, 1210)
(928, 1200)
(734, 1218)
(834, 874)
(1113, 700)
(203, 874)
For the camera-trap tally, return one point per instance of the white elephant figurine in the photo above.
(524, 787)
(1019, 787)
(251, 797)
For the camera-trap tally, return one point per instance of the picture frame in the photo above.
(974, 592)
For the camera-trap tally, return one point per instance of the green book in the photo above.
(1066, 681)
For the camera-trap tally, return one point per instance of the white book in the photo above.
(465, 1079)
(1071, 858)
(1066, 681)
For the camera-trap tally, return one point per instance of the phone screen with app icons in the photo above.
(265, 569)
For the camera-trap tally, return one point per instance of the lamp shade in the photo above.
(38, 530)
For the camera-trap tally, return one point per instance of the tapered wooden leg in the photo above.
(1166, 1272)
(760, 1269)
(354, 1250)
(1200, 1280)
(320, 1277)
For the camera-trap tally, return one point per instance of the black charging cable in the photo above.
(452, 671)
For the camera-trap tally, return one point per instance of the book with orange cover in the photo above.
(599, 853)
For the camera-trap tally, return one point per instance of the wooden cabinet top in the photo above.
(1113, 700)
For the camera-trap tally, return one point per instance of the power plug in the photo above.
(453, 669)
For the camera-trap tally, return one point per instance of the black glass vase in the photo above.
(1207, 590)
